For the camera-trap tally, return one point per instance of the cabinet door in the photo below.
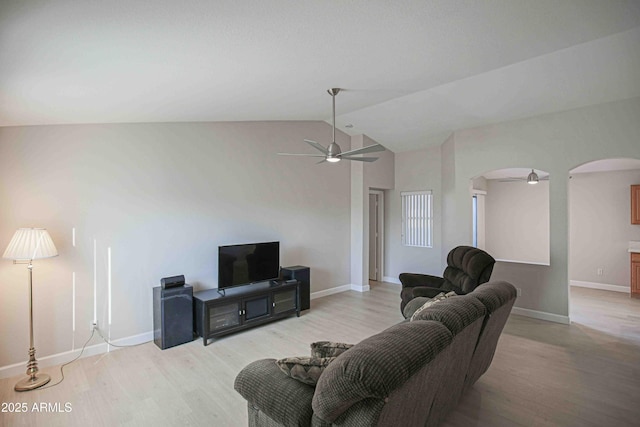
(222, 316)
(635, 274)
(284, 301)
(256, 308)
(635, 204)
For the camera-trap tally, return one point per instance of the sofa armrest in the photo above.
(279, 396)
(410, 280)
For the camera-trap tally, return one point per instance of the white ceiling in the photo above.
(414, 70)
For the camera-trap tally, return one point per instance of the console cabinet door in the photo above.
(256, 308)
(285, 301)
(223, 316)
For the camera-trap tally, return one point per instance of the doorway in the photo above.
(376, 235)
(600, 235)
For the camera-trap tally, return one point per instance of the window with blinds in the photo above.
(417, 218)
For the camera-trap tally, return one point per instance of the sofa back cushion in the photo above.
(378, 365)
(456, 312)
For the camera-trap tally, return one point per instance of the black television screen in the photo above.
(248, 263)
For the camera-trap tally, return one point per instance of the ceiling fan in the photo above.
(333, 153)
(532, 178)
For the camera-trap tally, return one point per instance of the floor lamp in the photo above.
(26, 245)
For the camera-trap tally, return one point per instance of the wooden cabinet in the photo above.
(635, 204)
(635, 274)
(216, 314)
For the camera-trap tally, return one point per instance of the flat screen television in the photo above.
(248, 263)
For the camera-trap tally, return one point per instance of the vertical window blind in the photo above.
(417, 218)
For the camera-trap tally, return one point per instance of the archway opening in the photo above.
(600, 236)
(511, 215)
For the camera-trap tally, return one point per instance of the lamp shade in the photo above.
(30, 243)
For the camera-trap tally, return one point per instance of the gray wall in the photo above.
(517, 221)
(162, 197)
(555, 143)
(364, 176)
(415, 170)
(600, 206)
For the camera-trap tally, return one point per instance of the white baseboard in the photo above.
(542, 315)
(601, 286)
(390, 279)
(360, 288)
(338, 289)
(330, 291)
(60, 358)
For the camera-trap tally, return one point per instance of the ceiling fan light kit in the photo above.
(333, 153)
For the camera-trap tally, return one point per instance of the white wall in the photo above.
(555, 143)
(162, 197)
(415, 170)
(600, 206)
(517, 221)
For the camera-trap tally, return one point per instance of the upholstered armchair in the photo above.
(467, 267)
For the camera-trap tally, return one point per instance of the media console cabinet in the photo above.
(243, 307)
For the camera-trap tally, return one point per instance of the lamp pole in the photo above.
(34, 380)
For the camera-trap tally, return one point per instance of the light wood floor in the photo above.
(543, 374)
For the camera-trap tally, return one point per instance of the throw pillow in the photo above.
(441, 296)
(304, 369)
(413, 305)
(328, 348)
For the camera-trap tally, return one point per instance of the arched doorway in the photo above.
(600, 232)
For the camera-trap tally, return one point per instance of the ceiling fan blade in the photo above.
(303, 155)
(317, 146)
(360, 159)
(370, 149)
(321, 161)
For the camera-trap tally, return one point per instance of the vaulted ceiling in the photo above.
(413, 70)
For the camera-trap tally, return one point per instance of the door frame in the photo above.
(380, 237)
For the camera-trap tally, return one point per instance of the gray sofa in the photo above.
(413, 373)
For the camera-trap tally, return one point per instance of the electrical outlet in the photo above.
(519, 292)
(600, 271)
(93, 325)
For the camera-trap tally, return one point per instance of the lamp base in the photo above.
(32, 382)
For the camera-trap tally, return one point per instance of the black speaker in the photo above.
(172, 316)
(171, 282)
(303, 275)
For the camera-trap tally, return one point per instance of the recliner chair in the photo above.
(467, 267)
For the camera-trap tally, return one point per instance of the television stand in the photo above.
(235, 309)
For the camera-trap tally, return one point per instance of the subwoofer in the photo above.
(172, 316)
(303, 275)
